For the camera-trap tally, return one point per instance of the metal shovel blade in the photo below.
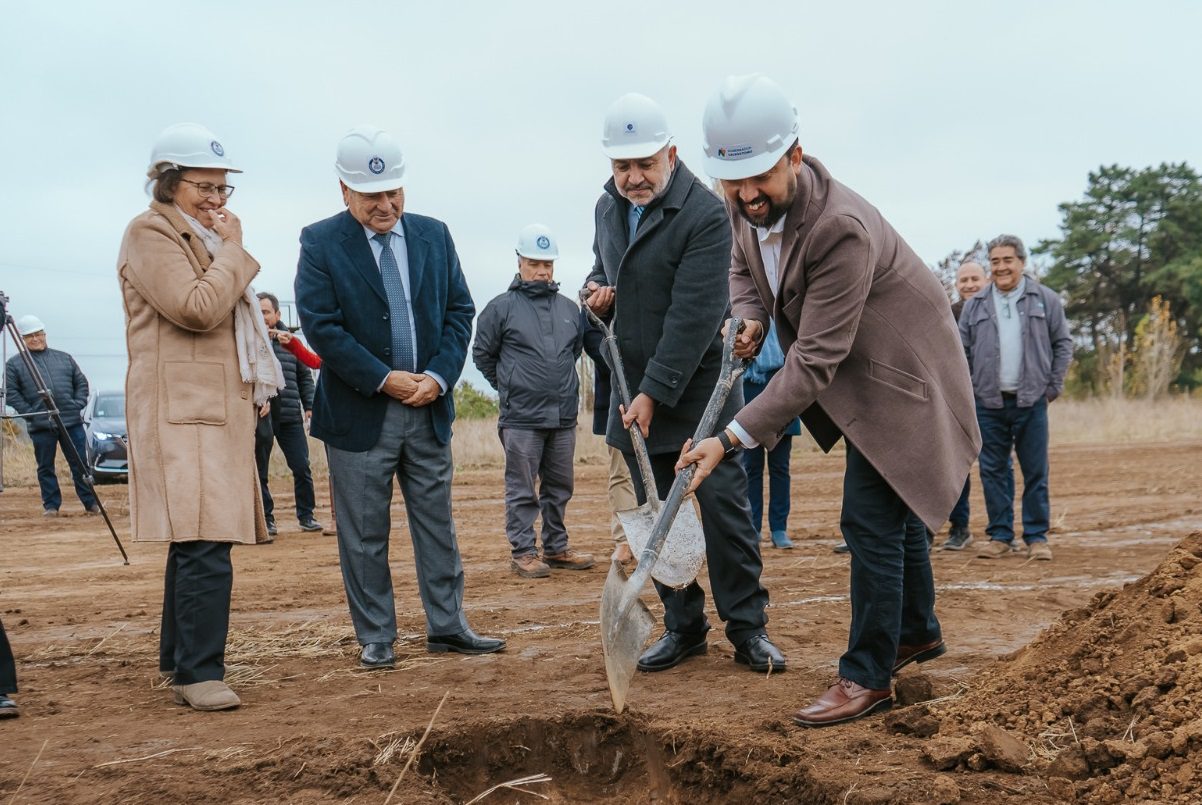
(625, 627)
(683, 551)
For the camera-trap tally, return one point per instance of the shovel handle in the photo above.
(642, 457)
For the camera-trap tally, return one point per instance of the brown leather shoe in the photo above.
(843, 701)
(569, 560)
(529, 566)
(919, 653)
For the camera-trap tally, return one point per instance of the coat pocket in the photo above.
(902, 381)
(195, 393)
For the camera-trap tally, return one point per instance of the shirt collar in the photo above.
(397, 230)
(1016, 292)
(775, 229)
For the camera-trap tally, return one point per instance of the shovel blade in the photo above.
(623, 634)
(683, 551)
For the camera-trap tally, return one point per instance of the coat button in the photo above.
(387, 351)
(385, 317)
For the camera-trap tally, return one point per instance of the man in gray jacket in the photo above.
(70, 391)
(1019, 348)
(527, 343)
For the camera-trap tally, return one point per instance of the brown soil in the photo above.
(1108, 694)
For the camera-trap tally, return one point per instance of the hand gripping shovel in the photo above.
(626, 623)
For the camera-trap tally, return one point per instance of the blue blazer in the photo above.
(344, 312)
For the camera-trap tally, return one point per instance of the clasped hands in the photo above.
(411, 389)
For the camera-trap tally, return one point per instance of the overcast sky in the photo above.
(958, 120)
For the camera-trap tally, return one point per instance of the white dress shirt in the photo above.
(396, 241)
(1009, 336)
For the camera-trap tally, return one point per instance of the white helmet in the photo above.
(188, 145)
(535, 242)
(28, 325)
(749, 124)
(635, 127)
(370, 160)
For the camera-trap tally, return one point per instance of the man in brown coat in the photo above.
(871, 354)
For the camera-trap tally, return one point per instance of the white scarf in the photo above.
(256, 359)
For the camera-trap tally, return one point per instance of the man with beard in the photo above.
(872, 355)
(662, 251)
(527, 343)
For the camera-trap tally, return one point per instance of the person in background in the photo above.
(69, 388)
(970, 279)
(285, 420)
(8, 677)
(200, 365)
(527, 343)
(755, 379)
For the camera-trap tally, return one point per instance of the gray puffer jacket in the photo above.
(527, 343)
(65, 379)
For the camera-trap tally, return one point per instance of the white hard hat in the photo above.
(635, 127)
(370, 160)
(28, 325)
(535, 242)
(188, 145)
(749, 124)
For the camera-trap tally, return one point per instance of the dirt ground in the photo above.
(100, 724)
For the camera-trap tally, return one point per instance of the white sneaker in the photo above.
(211, 695)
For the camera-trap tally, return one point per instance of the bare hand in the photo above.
(283, 336)
(706, 455)
(747, 341)
(601, 298)
(426, 393)
(264, 409)
(642, 409)
(226, 224)
(400, 385)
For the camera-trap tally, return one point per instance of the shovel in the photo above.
(626, 623)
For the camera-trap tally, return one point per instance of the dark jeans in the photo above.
(778, 484)
(196, 611)
(8, 667)
(295, 444)
(732, 550)
(959, 515)
(1026, 431)
(892, 588)
(45, 445)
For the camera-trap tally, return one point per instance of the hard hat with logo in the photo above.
(370, 160)
(535, 242)
(749, 124)
(635, 127)
(188, 145)
(28, 325)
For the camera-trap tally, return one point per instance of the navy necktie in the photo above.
(402, 335)
(637, 215)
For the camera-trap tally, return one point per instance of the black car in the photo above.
(107, 439)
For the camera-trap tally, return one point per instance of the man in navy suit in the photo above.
(383, 300)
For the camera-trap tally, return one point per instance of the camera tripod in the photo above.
(44, 392)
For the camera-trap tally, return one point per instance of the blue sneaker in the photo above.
(781, 540)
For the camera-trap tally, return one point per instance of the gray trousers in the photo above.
(545, 455)
(362, 484)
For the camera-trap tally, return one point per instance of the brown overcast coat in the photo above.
(871, 349)
(190, 417)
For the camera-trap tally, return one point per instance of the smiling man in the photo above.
(871, 356)
(527, 343)
(1019, 348)
(384, 301)
(662, 248)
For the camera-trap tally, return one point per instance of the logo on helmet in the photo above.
(735, 151)
(543, 242)
(217, 149)
(375, 165)
(630, 128)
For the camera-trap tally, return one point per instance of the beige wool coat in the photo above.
(191, 419)
(871, 349)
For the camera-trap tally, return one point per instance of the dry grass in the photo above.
(476, 445)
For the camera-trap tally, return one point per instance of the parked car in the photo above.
(107, 438)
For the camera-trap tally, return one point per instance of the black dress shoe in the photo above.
(671, 649)
(8, 708)
(760, 654)
(377, 655)
(466, 642)
(842, 547)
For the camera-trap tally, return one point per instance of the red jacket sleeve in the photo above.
(303, 354)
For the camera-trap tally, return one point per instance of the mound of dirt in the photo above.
(1106, 701)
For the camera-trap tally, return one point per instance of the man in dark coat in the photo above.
(662, 251)
(527, 343)
(69, 388)
(283, 418)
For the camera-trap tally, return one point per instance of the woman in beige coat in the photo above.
(199, 362)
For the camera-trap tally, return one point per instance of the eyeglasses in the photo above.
(209, 189)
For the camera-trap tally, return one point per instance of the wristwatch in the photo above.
(728, 447)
